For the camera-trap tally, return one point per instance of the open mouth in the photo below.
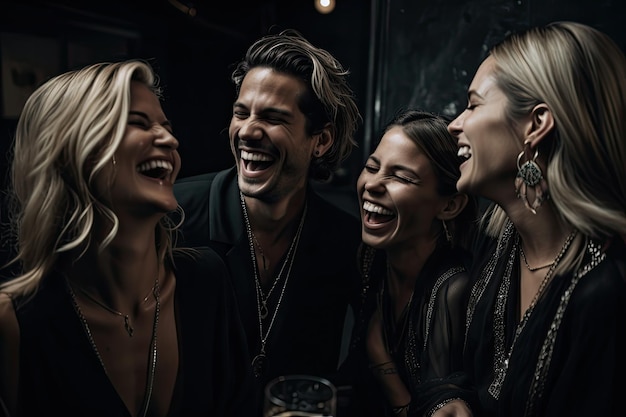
(256, 161)
(156, 168)
(465, 152)
(376, 214)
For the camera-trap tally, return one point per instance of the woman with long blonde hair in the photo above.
(105, 318)
(544, 138)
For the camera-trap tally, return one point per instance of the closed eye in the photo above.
(371, 168)
(139, 123)
(406, 179)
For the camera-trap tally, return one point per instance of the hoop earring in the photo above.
(446, 231)
(529, 175)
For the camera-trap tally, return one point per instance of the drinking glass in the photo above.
(300, 395)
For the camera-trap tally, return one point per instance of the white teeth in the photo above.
(248, 156)
(154, 164)
(374, 208)
(465, 152)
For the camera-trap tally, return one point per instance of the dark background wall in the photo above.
(427, 51)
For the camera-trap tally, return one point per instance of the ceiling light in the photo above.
(324, 6)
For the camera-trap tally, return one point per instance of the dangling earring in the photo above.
(114, 161)
(529, 175)
(446, 231)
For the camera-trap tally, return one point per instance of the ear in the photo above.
(453, 207)
(323, 140)
(540, 126)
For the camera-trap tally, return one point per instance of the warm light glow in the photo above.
(324, 6)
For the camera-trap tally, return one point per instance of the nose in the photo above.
(165, 138)
(455, 127)
(374, 184)
(249, 129)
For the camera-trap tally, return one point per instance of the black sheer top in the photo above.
(429, 345)
(570, 357)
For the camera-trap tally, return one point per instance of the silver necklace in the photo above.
(266, 264)
(153, 342)
(259, 361)
(501, 357)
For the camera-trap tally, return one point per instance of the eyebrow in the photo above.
(396, 167)
(471, 93)
(266, 110)
(166, 122)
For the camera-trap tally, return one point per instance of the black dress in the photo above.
(60, 374)
(570, 357)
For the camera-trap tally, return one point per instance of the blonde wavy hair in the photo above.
(68, 131)
(580, 73)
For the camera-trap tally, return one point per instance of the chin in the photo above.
(166, 205)
(250, 186)
(462, 185)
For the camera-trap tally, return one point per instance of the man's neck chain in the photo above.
(259, 363)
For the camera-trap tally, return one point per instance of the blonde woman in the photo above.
(105, 318)
(544, 138)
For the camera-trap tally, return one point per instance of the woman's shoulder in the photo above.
(8, 319)
(199, 260)
(601, 282)
(200, 266)
(9, 344)
(451, 276)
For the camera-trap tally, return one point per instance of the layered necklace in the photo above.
(259, 363)
(501, 356)
(127, 325)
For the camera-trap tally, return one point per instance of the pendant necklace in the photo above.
(266, 264)
(259, 362)
(153, 341)
(501, 357)
(127, 324)
(264, 312)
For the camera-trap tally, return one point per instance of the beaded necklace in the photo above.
(501, 356)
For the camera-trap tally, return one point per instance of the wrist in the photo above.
(380, 365)
(402, 410)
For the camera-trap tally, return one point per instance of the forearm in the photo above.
(394, 389)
